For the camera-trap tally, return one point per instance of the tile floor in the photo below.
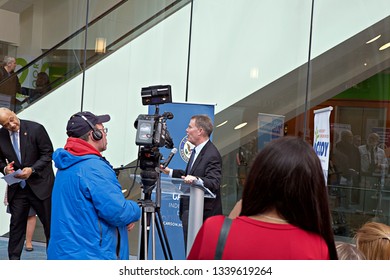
(39, 252)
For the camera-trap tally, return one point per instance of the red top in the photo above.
(79, 147)
(251, 239)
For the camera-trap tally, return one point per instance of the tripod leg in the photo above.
(150, 222)
(164, 239)
(153, 228)
(162, 242)
(144, 233)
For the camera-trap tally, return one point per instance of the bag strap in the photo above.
(222, 238)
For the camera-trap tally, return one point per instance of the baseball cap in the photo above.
(78, 126)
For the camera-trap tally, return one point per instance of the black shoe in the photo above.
(29, 249)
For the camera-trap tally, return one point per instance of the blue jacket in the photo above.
(89, 211)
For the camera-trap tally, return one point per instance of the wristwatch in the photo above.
(32, 169)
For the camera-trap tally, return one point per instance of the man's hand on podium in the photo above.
(189, 179)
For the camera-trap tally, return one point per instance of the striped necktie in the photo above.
(17, 151)
(16, 145)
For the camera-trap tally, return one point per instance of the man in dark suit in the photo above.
(25, 145)
(204, 167)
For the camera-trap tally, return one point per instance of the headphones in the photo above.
(96, 133)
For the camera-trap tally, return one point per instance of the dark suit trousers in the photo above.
(184, 220)
(19, 208)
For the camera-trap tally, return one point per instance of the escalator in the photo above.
(87, 46)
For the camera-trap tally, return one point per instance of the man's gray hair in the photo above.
(8, 59)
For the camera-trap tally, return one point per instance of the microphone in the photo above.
(167, 115)
(173, 152)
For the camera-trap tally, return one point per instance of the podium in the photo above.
(196, 193)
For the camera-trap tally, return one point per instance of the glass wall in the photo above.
(354, 78)
(347, 70)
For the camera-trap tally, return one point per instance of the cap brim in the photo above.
(103, 118)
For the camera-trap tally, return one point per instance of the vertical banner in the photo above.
(322, 137)
(270, 127)
(182, 113)
(29, 76)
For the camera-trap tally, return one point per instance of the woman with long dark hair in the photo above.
(285, 212)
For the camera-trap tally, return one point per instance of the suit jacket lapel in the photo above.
(8, 142)
(187, 171)
(198, 158)
(195, 163)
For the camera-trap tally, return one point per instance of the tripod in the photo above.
(150, 221)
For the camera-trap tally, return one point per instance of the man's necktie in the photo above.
(15, 145)
(17, 151)
(372, 155)
(191, 161)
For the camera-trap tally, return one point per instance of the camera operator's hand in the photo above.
(164, 170)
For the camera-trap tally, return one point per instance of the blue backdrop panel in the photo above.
(269, 127)
(170, 202)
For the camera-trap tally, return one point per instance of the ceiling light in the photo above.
(100, 45)
(254, 73)
(385, 46)
(373, 39)
(221, 124)
(241, 125)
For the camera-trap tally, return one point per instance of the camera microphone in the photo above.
(167, 115)
(173, 152)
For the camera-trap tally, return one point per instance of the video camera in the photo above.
(152, 133)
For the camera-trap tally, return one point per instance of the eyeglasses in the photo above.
(105, 130)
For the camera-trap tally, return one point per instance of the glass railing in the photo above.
(353, 204)
(85, 47)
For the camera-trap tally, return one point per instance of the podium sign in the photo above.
(171, 190)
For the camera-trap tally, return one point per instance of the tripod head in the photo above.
(149, 160)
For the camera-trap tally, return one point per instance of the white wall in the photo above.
(31, 24)
(11, 32)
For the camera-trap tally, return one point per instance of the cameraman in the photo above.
(90, 216)
(204, 167)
